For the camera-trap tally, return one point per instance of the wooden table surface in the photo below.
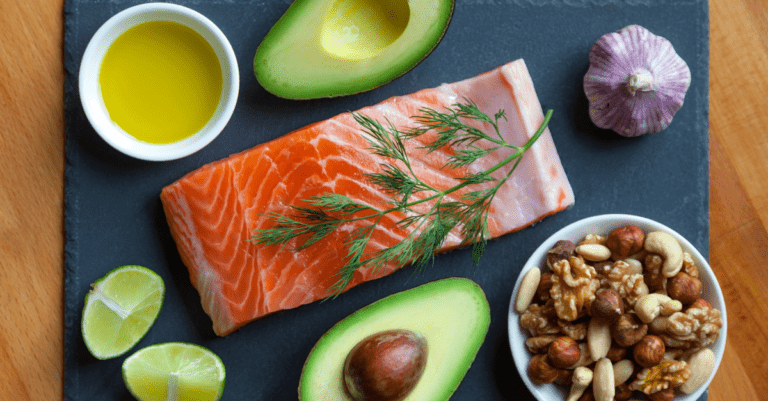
(32, 189)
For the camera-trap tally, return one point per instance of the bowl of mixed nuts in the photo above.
(617, 307)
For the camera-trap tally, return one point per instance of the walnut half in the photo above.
(629, 285)
(540, 320)
(697, 327)
(667, 374)
(573, 287)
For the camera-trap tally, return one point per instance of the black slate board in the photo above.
(114, 216)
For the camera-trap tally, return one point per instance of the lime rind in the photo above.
(120, 309)
(174, 371)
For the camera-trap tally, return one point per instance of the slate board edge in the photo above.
(72, 301)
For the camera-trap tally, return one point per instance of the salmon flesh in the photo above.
(214, 211)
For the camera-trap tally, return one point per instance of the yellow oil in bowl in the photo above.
(161, 81)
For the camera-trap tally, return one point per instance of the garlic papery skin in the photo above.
(636, 82)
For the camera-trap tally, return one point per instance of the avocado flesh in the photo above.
(329, 48)
(452, 314)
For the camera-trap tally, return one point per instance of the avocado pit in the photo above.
(385, 366)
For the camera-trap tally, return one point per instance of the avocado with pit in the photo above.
(329, 48)
(450, 316)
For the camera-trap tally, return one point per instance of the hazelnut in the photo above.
(540, 371)
(701, 304)
(667, 394)
(564, 352)
(385, 366)
(628, 330)
(607, 305)
(649, 351)
(625, 241)
(542, 291)
(684, 288)
(562, 249)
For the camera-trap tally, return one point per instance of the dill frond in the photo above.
(457, 127)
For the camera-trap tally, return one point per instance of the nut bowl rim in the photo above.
(603, 224)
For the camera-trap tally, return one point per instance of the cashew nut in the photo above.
(527, 289)
(582, 378)
(603, 382)
(667, 246)
(651, 306)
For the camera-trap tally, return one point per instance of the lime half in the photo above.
(174, 372)
(120, 309)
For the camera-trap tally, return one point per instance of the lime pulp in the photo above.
(174, 371)
(120, 309)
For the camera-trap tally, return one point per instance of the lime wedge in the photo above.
(174, 372)
(120, 309)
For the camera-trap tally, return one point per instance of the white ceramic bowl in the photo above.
(603, 225)
(90, 92)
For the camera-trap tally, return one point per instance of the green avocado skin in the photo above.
(453, 316)
(301, 56)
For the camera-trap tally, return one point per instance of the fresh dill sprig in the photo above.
(427, 229)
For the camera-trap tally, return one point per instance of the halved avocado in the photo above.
(328, 48)
(451, 314)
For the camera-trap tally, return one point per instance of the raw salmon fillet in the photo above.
(213, 211)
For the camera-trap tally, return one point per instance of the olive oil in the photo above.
(161, 81)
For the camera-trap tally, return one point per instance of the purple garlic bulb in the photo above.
(635, 83)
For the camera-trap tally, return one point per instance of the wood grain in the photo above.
(32, 187)
(31, 199)
(739, 190)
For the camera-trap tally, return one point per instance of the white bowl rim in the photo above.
(521, 356)
(115, 136)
